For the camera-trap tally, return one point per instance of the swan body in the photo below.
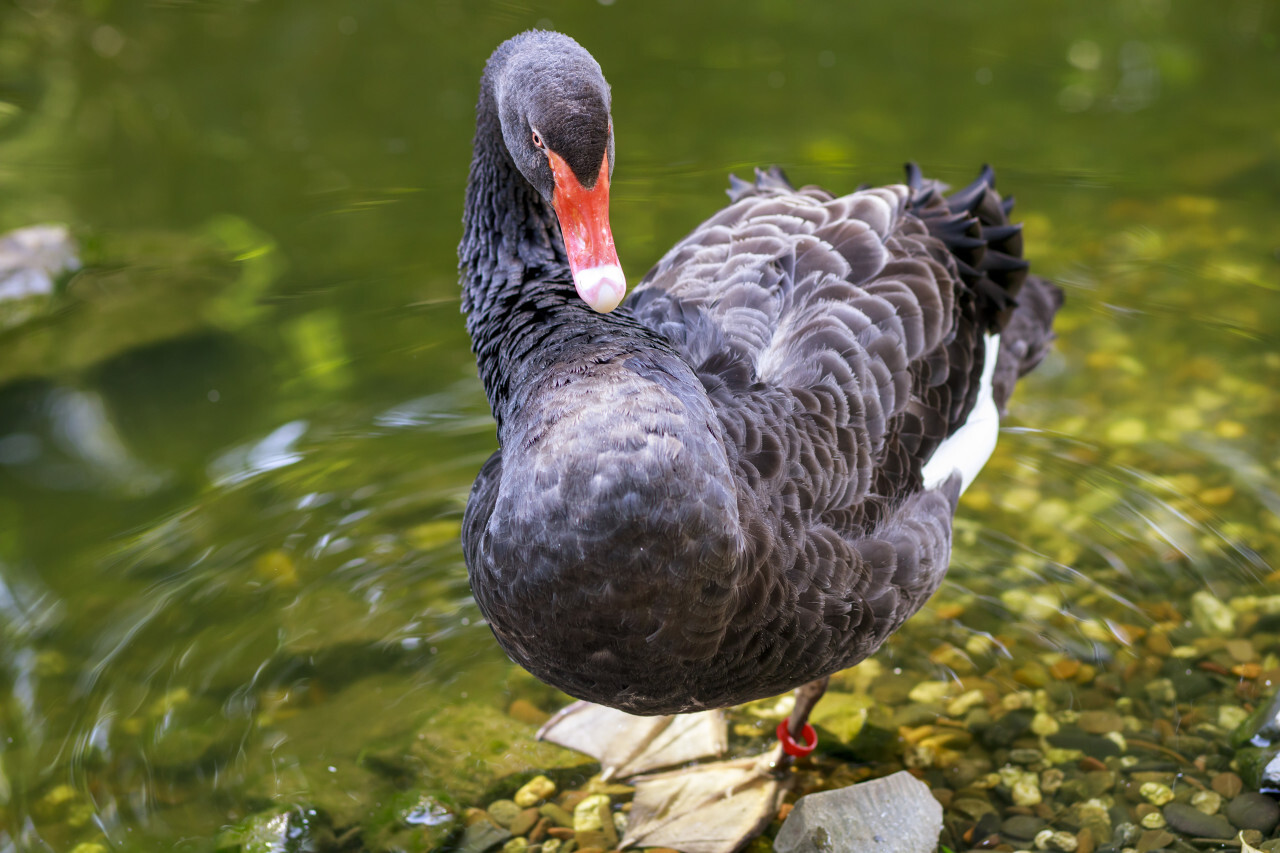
(744, 477)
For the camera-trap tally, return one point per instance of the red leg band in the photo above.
(789, 745)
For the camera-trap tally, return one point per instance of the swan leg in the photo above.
(807, 696)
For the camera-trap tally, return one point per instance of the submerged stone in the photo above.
(896, 814)
(1260, 768)
(1191, 821)
(1022, 827)
(414, 821)
(1261, 728)
(281, 830)
(534, 791)
(481, 836)
(472, 746)
(1253, 811)
(1211, 616)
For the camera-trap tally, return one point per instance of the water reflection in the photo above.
(234, 450)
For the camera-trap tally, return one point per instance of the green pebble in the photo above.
(504, 812)
(556, 814)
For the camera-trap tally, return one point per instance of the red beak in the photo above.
(584, 222)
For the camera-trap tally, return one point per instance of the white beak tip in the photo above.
(601, 287)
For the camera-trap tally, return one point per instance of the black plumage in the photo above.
(715, 493)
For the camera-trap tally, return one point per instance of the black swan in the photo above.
(744, 478)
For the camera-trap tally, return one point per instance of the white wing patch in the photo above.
(968, 448)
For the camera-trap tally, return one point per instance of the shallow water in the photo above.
(235, 447)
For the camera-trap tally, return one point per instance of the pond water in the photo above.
(235, 447)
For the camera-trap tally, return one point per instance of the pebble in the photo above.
(965, 702)
(525, 822)
(1252, 810)
(1227, 784)
(593, 822)
(1100, 722)
(1065, 669)
(1208, 802)
(534, 791)
(1092, 745)
(1156, 793)
(927, 692)
(1154, 839)
(1242, 651)
(1026, 792)
(972, 807)
(1021, 827)
(1126, 834)
(1192, 821)
(558, 815)
(1025, 756)
(1044, 724)
(504, 812)
(482, 836)
(1153, 820)
(1048, 839)
(1231, 716)
(1212, 616)
(1161, 691)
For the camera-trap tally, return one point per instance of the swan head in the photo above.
(553, 105)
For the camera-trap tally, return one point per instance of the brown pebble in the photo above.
(1157, 643)
(1153, 839)
(784, 810)
(473, 815)
(1229, 785)
(527, 712)
(1065, 669)
(1084, 841)
(1089, 763)
(1241, 650)
(570, 799)
(557, 814)
(1100, 722)
(539, 830)
(564, 833)
(524, 822)
(944, 796)
(1031, 674)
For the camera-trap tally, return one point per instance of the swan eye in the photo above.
(537, 141)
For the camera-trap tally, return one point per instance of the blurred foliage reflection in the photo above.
(235, 446)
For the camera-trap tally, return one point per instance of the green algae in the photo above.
(254, 605)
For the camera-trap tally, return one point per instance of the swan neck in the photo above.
(510, 234)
